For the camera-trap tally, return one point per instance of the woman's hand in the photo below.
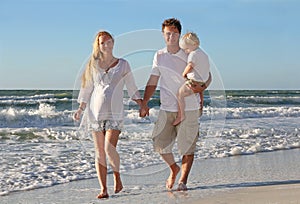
(138, 101)
(77, 114)
(144, 110)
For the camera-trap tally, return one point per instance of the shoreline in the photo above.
(219, 180)
(267, 194)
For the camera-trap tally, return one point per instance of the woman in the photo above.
(101, 97)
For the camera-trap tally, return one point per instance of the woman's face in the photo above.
(106, 44)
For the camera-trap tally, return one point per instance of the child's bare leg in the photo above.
(184, 91)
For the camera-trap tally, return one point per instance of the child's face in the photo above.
(189, 48)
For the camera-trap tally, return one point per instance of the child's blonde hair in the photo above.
(189, 39)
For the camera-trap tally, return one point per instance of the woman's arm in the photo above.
(79, 111)
(83, 98)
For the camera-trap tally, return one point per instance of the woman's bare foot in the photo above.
(118, 182)
(103, 195)
(118, 187)
(178, 120)
(172, 178)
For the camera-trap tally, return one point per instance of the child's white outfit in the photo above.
(200, 71)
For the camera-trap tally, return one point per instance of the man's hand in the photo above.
(144, 110)
(197, 88)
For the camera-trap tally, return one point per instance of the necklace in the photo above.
(105, 75)
(108, 65)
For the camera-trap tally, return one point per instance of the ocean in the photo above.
(41, 145)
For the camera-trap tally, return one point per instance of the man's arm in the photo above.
(200, 88)
(149, 91)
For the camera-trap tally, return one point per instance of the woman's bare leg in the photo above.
(111, 141)
(100, 162)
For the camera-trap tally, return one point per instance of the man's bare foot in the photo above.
(118, 183)
(172, 178)
(103, 195)
(178, 120)
(181, 187)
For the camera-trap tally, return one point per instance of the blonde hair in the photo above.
(96, 55)
(189, 39)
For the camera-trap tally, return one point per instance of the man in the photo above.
(168, 65)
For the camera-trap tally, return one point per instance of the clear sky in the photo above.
(253, 43)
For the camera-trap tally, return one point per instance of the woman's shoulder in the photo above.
(123, 64)
(122, 61)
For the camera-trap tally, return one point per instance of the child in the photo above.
(196, 71)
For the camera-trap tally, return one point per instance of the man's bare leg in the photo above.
(187, 162)
(174, 169)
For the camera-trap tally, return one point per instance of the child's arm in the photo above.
(187, 69)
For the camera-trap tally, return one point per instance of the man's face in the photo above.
(171, 35)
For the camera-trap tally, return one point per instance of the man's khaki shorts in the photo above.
(165, 133)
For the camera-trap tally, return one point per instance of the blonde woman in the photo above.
(197, 71)
(101, 97)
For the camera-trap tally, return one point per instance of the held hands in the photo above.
(144, 110)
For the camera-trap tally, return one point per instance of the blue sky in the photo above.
(254, 44)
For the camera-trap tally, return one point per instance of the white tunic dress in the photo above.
(104, 95)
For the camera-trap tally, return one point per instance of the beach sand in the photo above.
(257, 195)
(270, 177)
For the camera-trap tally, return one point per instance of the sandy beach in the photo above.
(257, 195)
(270, 177)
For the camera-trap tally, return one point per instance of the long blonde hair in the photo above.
(96, 55)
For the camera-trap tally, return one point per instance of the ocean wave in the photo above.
(48, 115)
(273, 100)
(210, 113)
(45, 115)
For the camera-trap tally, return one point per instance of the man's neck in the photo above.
(173, 49)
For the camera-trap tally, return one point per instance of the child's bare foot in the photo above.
(172, 178)
(178, 120)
